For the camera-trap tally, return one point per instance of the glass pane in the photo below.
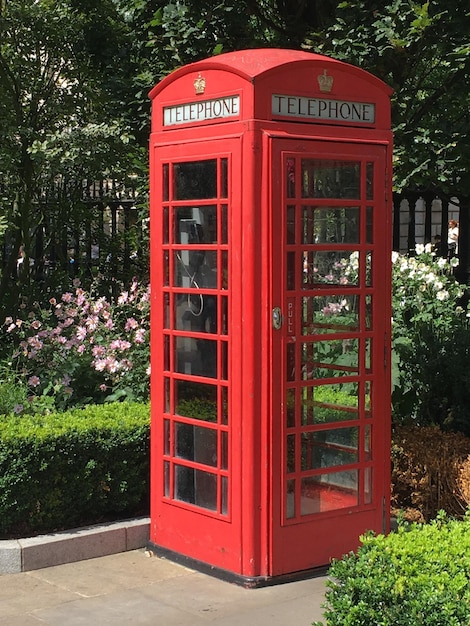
(165, 183)
(224, 227)
(369, 225)
(368, 313)
(166, 353)
(290, 499)
(196, 400)
(166, 400)
(367, 399)
(195, 225)
(367, 485)
(195, 180)
(370, 181)
(224, 503)
(224, 178)
(368, 355)
(329, 403)
(290, 226)
(196, 487)
(166, 225)
(195, 269)
(166, 268)
(224, 320)
(367, 443)
(330, 358)
(330, 267)
(224, 269)
(330, 179)
(368, 281)
(329, 492)
(224, 405)
(330, 314)
(166, 474)
(196, 443)
(290, 374)
(224, 450)
(166, 310)
(223, 360)
(330, 225)
(291, 271)
(291, 455)
(195, 312)
(290, 178)
(197, 357)
(166, 436)
(329, 448)
(290, 408)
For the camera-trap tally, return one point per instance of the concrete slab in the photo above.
(131, 589)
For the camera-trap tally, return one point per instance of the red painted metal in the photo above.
(270, 170)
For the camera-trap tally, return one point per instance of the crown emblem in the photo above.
(199, 85)
(325, 81)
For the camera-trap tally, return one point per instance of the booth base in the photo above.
(248, 582)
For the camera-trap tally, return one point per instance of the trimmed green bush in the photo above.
(418, 576)
(65, 470)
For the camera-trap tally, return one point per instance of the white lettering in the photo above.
(322, 108)
(219, 108)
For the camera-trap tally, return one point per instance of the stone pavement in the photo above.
(132, 588)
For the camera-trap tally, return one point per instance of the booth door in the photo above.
(330, 336)
(195, 497)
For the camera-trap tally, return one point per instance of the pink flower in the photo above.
(67, 297)
(123, 297)
(81, 333)
(139, 336)
(36, 324)
(119, 344)
(34, 342)
(34, 381)
(131, 323)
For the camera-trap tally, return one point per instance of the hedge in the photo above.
(417, 576)
(72, 469)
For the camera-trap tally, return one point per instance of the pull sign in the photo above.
(290, 317)
(277, 318)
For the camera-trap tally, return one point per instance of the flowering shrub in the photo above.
(81, 349)
(431, 341)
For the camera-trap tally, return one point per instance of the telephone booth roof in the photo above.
(258, 76)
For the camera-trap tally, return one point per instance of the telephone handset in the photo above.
(191, 232)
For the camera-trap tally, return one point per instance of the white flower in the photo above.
(442, 295)
(419, 248)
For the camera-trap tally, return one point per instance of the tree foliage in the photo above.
(421, 49)
(57, 114)
(75, 77)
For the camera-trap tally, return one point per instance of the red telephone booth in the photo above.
(270, 262)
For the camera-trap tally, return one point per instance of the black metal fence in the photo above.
(419, 217)
(81, 228)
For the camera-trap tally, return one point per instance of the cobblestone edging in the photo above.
(23, 555)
